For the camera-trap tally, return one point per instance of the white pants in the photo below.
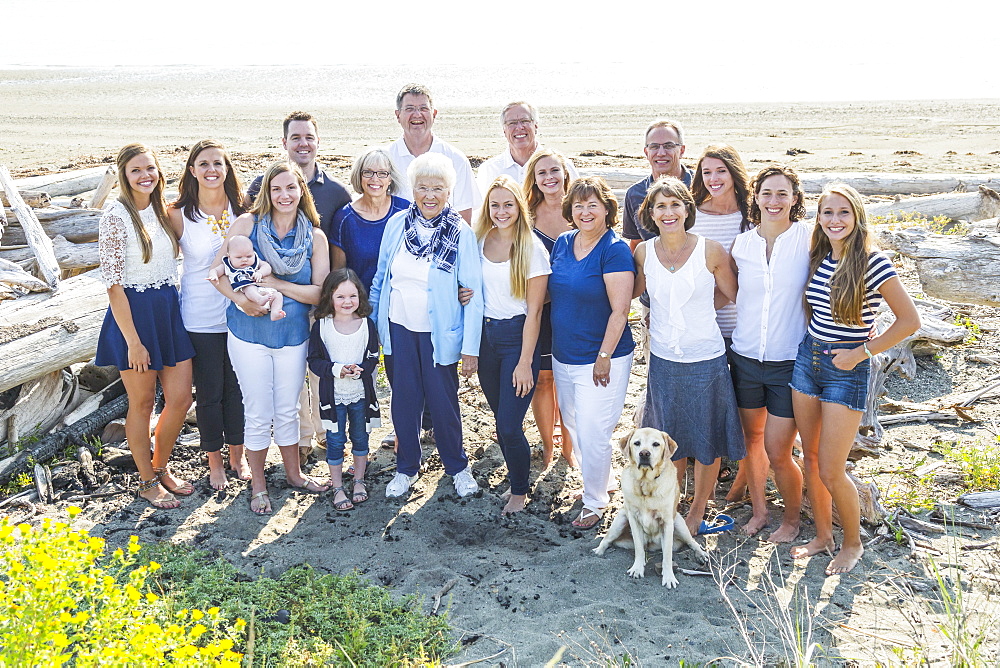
(270, 379)
(591, 413)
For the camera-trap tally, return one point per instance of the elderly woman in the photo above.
(427, 252)
(591, 288)
(269, 356)
(357, 228)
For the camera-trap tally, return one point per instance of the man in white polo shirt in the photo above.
(519, 121)
(416, 113)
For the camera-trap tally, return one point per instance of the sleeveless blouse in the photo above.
(202, 306)
(682, 323)
(291, 330)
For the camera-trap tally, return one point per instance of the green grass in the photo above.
(326, 619)
(978, 461)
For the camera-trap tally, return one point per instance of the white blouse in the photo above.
(499, 303)
(203, 308)
(121, 254)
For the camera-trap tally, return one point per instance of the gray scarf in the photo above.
(285, 261)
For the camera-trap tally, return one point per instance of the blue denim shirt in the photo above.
(455, 330)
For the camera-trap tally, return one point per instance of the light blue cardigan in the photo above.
(455, 330)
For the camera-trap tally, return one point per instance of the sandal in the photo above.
(341, 505)
(356, 496)
(185, 489)
(264, 509)
(588, 519)
(311, 485)
(168, 503)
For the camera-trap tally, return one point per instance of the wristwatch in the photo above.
(603, 355)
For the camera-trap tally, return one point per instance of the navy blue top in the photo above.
(580, 304)
(291, 330)
(631, 228)
(360, 238)
(328, 195)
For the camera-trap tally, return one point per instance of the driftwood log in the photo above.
(33, 198)
(65, 183)
(962, 268)
(45, 332)
(48, 268)
(50, 445)
(77, 225)
(107, 183)
(70, 257)
(36, 406)
(984, 203)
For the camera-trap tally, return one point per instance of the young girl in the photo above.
(690, 393)
(209, 197)
(772, 263)
(142, 333)
(830, 379)
(515, 278)
(343, 353)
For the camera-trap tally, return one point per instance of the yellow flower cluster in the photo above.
(63, 600)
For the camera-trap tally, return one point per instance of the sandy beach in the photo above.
(529, 585)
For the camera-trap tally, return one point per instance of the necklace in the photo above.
(584, 251)
(672, 258)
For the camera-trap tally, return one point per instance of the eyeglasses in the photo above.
(667, 146)
(518, 122)
(436, 190)
(368, 173)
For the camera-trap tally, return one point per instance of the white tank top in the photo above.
(682, 324)
(203, 308)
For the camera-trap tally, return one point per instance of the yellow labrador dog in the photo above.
(649, 517)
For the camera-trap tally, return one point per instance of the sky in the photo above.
(866, 44)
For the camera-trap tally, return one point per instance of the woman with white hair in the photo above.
(357, 228)
(427, 252)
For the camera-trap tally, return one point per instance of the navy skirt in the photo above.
(156, 314)
(694, 402)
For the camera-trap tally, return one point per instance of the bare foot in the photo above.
(260, 503)
(216, 471)
(845, 560)
(241, 468)
(515, 504)
(693, 524)
(815, 546)
(568, 456)
(754, 525)
(786, 533)
(277, 315)
(505, 496)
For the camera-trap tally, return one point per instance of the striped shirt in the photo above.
(722, 228)
(822, 325)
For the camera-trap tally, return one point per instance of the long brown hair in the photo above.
(155, 200)
(731, 158)
(262, 203)
(324, 308)
(187, 189)
(847, 285)
(524, 238)
(533, 195)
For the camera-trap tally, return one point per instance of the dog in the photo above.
(649, 517)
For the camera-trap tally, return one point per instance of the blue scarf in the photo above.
(442, 244)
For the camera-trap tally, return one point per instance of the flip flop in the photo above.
(722, 523)
(588, 519)
(316, 486)
(264, 509)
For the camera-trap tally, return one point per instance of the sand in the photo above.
(528, 585)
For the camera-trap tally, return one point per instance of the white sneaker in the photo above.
(399, 485)
(465, 484)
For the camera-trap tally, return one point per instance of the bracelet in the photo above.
(867, 352)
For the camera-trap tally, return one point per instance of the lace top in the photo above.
(121, 254)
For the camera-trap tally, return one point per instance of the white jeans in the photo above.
(270, 379)
(591, 413)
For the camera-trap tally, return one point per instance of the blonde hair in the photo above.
(847, 285)
(262, 205)
(155, 200)
(524, 238)
(532, 192)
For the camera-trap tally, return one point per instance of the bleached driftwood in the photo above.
(984, 203)
(77, 225)
(22, 279)
(70, 256)
(864, 182)
(962, 268)
(108, 182)
(45, 332)
(65, 183)
(981, 499)
(33, 198)
(92, 403)
(39, 404)
(40, 244)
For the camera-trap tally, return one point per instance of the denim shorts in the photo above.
(816, 376)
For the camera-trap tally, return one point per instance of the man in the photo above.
(415, 113)
(519, 121)
(664, 148)
(300, 137)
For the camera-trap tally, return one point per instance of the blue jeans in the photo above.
(499, 353)
(816, 376)
(351, 421)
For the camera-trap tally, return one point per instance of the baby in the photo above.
(244, 268)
